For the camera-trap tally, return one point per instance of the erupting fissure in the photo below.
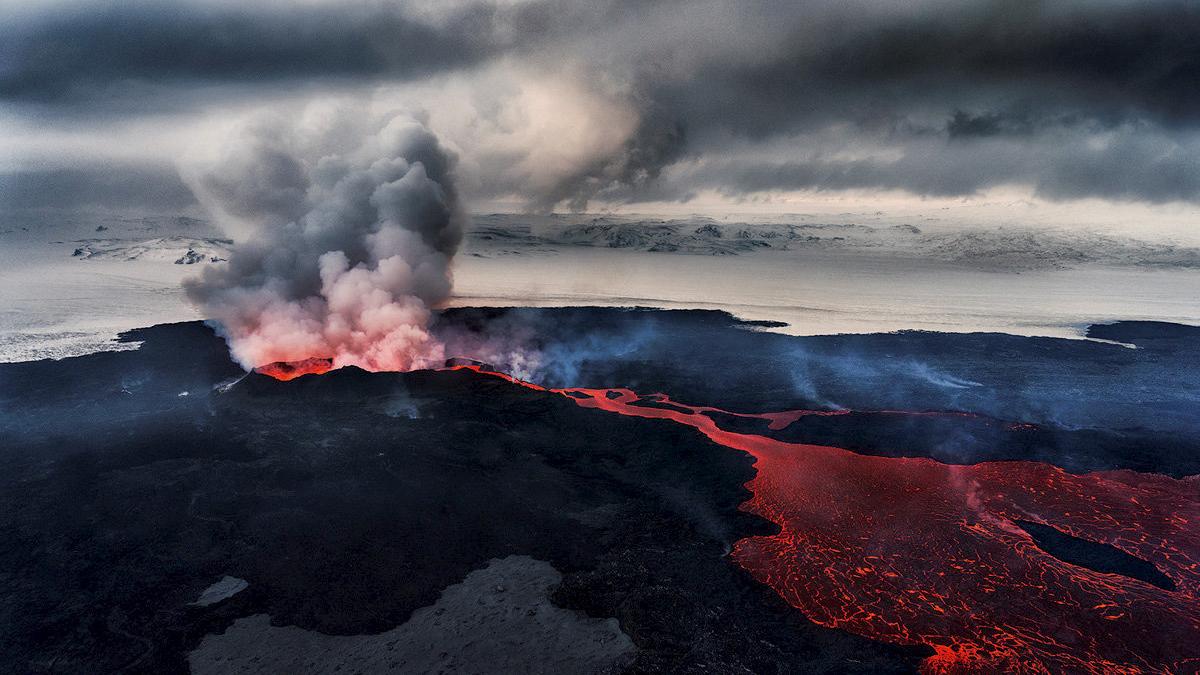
(345, 239)
(290, 370)
(914, 551)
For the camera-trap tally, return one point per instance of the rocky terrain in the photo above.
(178, 249)
(1000, 249)
(164, 510)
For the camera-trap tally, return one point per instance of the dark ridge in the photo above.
(662, 405)
(957, 439)
(482, 318)
(1135, 332)
(459, 361)
(1093, 556)
(762, 323)
(742, 425)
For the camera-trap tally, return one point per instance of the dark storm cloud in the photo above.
(965, 125)
(134, 187)
(1127, 166)
(76, 54)
(1094, 99)
(936, 97)
(1105, 60)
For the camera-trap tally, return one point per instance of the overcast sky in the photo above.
(629, 104)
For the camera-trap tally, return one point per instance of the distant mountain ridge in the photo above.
(997, 249)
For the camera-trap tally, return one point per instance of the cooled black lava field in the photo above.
(665, 491)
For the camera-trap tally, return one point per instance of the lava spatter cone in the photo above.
(290, 370)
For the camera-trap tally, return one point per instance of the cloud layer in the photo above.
(557, 103)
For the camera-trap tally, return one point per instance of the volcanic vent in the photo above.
(343, 245)
(290, 370)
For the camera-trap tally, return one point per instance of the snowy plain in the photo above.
(72, 293)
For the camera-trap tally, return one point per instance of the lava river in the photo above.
(914, 551)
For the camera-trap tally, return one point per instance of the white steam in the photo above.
(346, 229)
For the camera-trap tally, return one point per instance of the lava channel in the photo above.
(914, 551)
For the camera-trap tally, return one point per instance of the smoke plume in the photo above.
(346, 228)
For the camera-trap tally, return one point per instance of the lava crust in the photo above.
(913, 551)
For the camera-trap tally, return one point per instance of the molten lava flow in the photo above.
(290, 370)
(913, 551)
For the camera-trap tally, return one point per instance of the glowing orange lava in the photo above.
(290, 370)
(913, 551)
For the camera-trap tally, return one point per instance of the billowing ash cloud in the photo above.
(350, 226)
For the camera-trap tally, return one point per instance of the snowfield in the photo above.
(70, 288)
(1001, 249)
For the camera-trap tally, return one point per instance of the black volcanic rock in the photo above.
(1099, 557)
(1140, 332)
(344, 518)
(1079, 404)
(348, 500)
(460, 361)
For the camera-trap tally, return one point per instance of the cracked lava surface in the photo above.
(914, 551)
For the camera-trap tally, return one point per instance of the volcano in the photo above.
(463, 362)
(290, 370)
(718, 516)
(975, 591)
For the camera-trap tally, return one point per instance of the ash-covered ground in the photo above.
(161, 510)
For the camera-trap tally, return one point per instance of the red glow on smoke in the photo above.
(290, 370)
(913, 551)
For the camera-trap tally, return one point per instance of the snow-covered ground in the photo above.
(859, 274)
(1001, 249)
(71, 293)
(818, 294)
